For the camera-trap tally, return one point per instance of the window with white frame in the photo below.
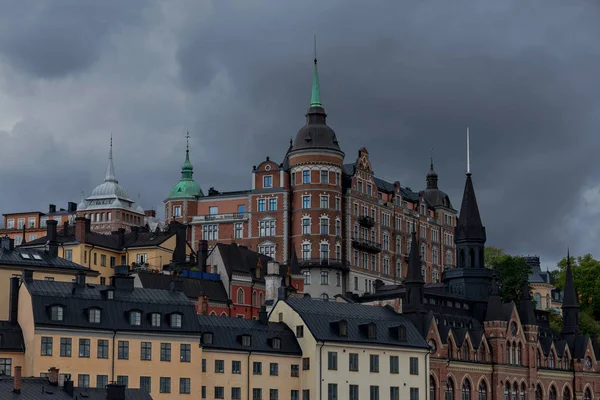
(238, 229)
(410, 226)
(423, 252)
(324, 225)
(324, 201)
(448, 257)
(306, 176)
(356, 258)
(268, 181)
(141, 258)
(338, 204)
(365, 261)
(386, 219)
(273, 204)
(359, 186)
(337, 178)
(338, 227)
(262, 205)
(369, 189)
(373, 262)
(338, 252)
(10, 224)
(435, 276)
(386, 241)
(266, 228)
(408, 245)
(306, 225)
(31, 222)
(356, 209)
(305, 202)
(435, 235)
(423, 231)
(306, 277)
(399, 223)
(210, 232)
(18, 240)
(20, 223)
(386, 265)
(177, 211)
(306, 251)
(268, 250)
(324, 277)
(398, 269)
(324, 176)
(424, 273)
(338, 279)
(213, 210)
(373, 235)
(435, 255)
(32, 237)
(324, 251)
(398, 244)
(355, 231)
(364, 211)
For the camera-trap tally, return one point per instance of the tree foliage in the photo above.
(586, 278)
(512, 271)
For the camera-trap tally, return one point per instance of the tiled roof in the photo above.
(191, 287)
(77, 300)
(35, 258)
(227, 332)
(319, 316)
(11, 337)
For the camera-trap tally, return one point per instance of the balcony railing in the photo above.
(226, 217)
(366, 221)
(366, 245)
(323, 262)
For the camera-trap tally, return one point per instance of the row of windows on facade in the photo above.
(83, 381)
(107, 217)
(332, 393)
(306, 177)
(32, 221)
(102, 349)
(94, 315)
(258, 299)
(19, 239)
(368, 330)
(257, 393)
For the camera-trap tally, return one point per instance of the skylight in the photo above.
(25, 256)
(37, 256)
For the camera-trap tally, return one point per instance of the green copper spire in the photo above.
(315, 98)
(186, 187)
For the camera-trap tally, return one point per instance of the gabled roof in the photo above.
(191, 287)
(318, 316)
(76, 300)
(11, 337)
(39, 259)
(382, 185)
(238, 259)
(227, 332)
(469, 226)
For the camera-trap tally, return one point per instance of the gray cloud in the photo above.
(399, 79)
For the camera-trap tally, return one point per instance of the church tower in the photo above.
(570, 306)
(414, 282)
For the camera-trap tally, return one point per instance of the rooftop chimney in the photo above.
(121, 280)
(27, 275)
(120, 238)
(115, 391)
(66, 228)
(71, 207)
(52, 243)
(80, 279)
(262, 315)
(82, 228)
(135, 232)
(7, 243)
(202, 306)
(14, 300)
(17, 380)
(179, 254)
(52, 208)
(53, 376)
(68, 386)
(202, 255)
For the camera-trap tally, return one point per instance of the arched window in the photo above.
(547, 302)
(223, 314)
(240, 296)
(538, 393)
(522, 393)
(513, 359)
(515, 391)
(551, 360)
(482, 390)
(507, 391)
(519, 352)
(254, 299)
(538, 301)
(462, 258)
(566, 394)
(566, 361)
(465, 351)
(508, 348)
(213, 314)
(432, 388)
(449, 389)
(552, 393)
(538, 358)
(261, 299)
(587, 394)
(466, 390)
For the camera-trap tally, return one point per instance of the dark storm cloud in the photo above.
(400, 78)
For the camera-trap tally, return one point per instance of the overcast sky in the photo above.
(398, 77)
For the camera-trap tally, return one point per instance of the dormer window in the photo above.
(369, 330)
(343, 327)
(57, 313)
(155, 319)
(110, 294)
(207, 338)
(276, 343)
(175, 320)
(402, 333)
(246, 340)
(94, 315)
(135, 318)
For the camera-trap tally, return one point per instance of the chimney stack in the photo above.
(66, 228)
(52, 208)
(27, 275)
(53, 376)
(179, 254)
(82, 228)
(52, 243)
(115, 391)
(7, 243)
(14, 300)
(71, 207)
(262, 315)
(121, 238)
(80, 279)
(135, 232)
(17, 380)
(202, 255)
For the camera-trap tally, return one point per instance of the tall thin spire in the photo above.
(413, 274)
(570, 304)
(315, 98)
(432, 176)
(110, 169)
(468, 153)
(187, 168)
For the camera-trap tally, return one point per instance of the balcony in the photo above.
(366, 221)
(226, 217)
(366, 245)
(337, 263)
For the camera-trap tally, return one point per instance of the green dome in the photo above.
(186, 187)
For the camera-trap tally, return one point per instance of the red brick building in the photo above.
(349, 228)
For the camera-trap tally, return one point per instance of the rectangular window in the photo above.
(273, 204)
(324, 201)
(84, 348)
(414, 393)
(306, 176)
(337, 178)
(395, 393)
(324, 277)
(239, 230)
(184, 385)
(353, 361)
(83, 380)
(338, 227)
(165, 385)
(220, 392)
(65, 347)
(185, 353)
(20, 223)
(295, 370)
(295, 395)
(300, 331)
(374, 363)
(102, 381)
(359, 186)
(46, 346)
(324, 176)
(95, 258)
(236, 367)
(305, 202)
(332, 392)
(306, 226)
(219, 366)
(123, 380)
(113, 261)
(123, 350)
(305, 364)
(5, 366)
(338, 204)
(256, 394)
(394, 365)
(268, 181)
(204, 365)
(69, 255)
(10, 224)
(102, 260)
(146, 353)
(356, 209)
(332, 360)
(102, 348)
(165, 352)
(305, 394)
(146, 383)
(236, 393)
(306, 251)
(369, 189)
(177, 211)
(414, 366)
(324, 223)
(266, 228)
(210, 232)
(374, 391)
(306, 277)
(257, 368)
(274, 369)
(353, 392)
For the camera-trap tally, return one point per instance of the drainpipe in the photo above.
(90, 257)
(248, 375)
(112, 376)
(427, 375)
(321, 371)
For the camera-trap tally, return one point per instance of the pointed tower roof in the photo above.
(526, 309)
(110, 188)
(570, 296)
(494, 305)
(315, 98)
(110, 169)
(294, 266)
(414, 274)
(186, 187)
(469, 226)
(432, 176)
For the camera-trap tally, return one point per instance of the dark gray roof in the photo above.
(320, 315)
(39, 259)
(11, 337)
(383, 185)
(40, 389)
(191, 287)
(77, 300)
(316, 134)
(228, 331)
(469, 226)
(242, 260)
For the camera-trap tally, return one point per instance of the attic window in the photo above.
(207, 338)
(94, 315)
(110, 294)
(25, 256)
(402, 333)
(155, 319)
(343, 328)
(176, 320)
(37, 257)
(276, 343)
(246, 340)
(57, 313)
(372, 331)
(135, 318)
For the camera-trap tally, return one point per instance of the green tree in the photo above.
(586, 278)
(554, 276)
(491, 255)
(512, 271)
